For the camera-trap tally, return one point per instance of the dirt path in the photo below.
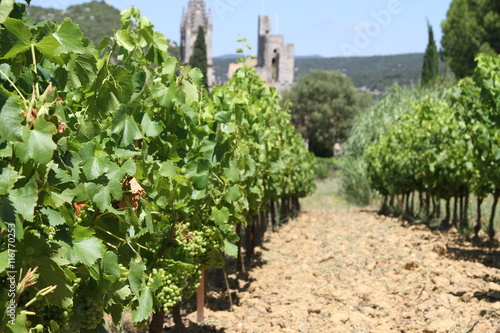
(346, 270)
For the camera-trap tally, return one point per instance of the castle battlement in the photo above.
(275, 59)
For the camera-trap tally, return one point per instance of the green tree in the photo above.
(199, 57)
(324, 106)
(430, 69)
(471, 26)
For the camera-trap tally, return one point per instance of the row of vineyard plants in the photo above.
(121, 177)
(368, 127)
(440, 151)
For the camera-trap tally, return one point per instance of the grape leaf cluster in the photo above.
(128, 178)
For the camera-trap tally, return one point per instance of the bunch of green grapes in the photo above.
(44, 228)
(88, 307)
(191, 282)
(49, 231)
(174, 281)
(192, 241)
(204, 246)
(58, 315)
(154, 246)
(169, 291)
(214, 254)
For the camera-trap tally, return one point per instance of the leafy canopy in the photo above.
(471, 27)
(122, 181)
(324, 106)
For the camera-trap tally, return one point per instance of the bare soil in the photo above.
(349, 270)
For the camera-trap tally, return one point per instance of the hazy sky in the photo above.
(330, 28)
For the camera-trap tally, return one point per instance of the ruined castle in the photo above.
(195, 17)
(275, 61)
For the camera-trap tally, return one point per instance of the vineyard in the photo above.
(342, 270)
(122, 180)
(432, 153)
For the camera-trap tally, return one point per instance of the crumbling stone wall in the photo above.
(275, 60)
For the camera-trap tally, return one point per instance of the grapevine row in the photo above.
(121, 177)
(443, 148)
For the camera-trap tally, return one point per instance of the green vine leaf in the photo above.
(69, 37)
(151, 128)
(169, 66)
(110, 264)
(102, 195)
(135, 277)
(168, 169)
(81, 71)
(8, 177)
(53, 216)
(16, 38)
(6, 7)
(95, 163)
(118, 173)
(145, 308)
(11, 117)
(51, 274)
(198, 171)
(37, 143)
(230, 249)
(48, 46)
(19, 324)
(220, 216)
(164, 95)
(24, 200)
(4, 261)
(86, 251)
(234, 194)
(125, 39)
(190, 91)
(130, 132)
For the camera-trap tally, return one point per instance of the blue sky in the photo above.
(330, 28)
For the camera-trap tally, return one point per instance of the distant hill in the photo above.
(231, 56)
(308, 56)
(374, 73)
(95, 18)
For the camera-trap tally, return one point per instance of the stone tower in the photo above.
(275, 60)
(195, 16)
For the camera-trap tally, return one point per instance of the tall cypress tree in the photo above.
(471, 26)
(430, 69)
(199, 57)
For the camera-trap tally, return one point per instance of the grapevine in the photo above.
(441, 147)
(122, 182)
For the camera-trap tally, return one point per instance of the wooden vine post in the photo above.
(200, 299)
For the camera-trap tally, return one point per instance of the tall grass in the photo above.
(328, 195)
(368, 127)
